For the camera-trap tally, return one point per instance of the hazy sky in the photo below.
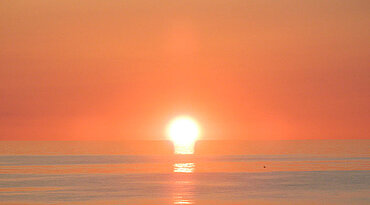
(244, 69)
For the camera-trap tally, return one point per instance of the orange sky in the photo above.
(72, 70)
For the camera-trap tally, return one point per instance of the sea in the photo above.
(219, 172)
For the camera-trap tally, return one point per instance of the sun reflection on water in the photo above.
(183, 190)
(183, 167)
(181, 200)
(181, 148)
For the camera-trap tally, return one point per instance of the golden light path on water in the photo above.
(183, 167)
(184, 184)
(184, 187)
(184, 148)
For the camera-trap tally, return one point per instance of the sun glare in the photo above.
(183, 131)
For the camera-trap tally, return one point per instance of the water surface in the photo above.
(281, 172)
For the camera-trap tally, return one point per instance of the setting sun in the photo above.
(183, 132)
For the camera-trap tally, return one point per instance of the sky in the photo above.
(121, 70)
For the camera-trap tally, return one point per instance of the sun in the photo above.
(183, 132)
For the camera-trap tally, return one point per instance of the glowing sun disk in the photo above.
(183, 130)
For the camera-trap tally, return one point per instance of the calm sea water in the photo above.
(220, 172)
